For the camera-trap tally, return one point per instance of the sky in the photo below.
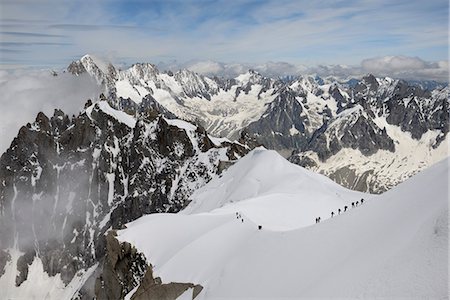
(52, 33)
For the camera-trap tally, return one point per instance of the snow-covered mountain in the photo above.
(68, 183)
(394, 245)
(386, 132)
(65, 181)
(375, 120)
(222, 106)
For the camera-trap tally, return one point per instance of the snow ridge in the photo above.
(352, 255)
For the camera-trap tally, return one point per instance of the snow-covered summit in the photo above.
(263, 177)
(103, 72)
(140, 72)
(89, 60)
(251, 76)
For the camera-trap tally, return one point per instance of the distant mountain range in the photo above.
(316, 122)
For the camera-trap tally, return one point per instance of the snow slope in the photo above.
(393, 246)
(269, 190)
(120, 116)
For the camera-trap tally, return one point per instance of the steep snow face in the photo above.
(265, 185)
(120, 116)
(395, 245)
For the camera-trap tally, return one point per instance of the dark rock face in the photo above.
(342, 102)
(347, 177)
(76, 68)
(361, 134)
(303, 161)
(152, 289)
(64, 182)
(124, 268)
(407, 111)
(22, 266)
(367, 137)
(4, 258)
(281, 126)
(149, 106)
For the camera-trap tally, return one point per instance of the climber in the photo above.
(332, 213)
(353, 204)
(339, 211)
(357, 202)
(362, 201)
(345, 208)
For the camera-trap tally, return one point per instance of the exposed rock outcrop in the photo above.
(124, 269)
(4, 258)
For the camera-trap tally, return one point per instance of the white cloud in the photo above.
(207, 67)
(230, 70)
(401, 67)
(275, 69)
(25, 93)
(393, 64)
(339, 71)
(406, 68)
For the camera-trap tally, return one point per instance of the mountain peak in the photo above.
(100, 63)
(370, 79)
(251, 76)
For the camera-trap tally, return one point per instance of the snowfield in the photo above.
(395, 245)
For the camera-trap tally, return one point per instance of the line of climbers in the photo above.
(239, 216)
(354, 204)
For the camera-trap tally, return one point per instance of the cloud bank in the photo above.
(407, 68)
(400, 67)
(26, 93)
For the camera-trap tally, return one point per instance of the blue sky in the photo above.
(51, 33)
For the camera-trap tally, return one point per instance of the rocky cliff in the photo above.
(65, 181)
